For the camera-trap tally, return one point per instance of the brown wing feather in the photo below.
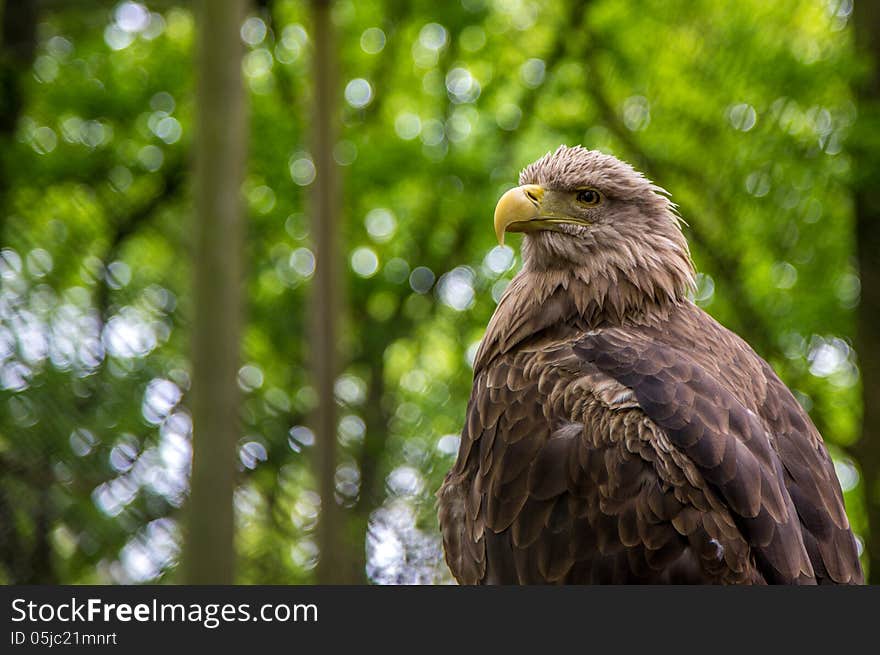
(539, 496)
(762, 455)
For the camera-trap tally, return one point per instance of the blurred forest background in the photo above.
(315, 181)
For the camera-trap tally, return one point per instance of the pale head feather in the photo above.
(631, 265)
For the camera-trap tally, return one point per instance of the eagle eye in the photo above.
(588, 197)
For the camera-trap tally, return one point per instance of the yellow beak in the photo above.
(516, 208)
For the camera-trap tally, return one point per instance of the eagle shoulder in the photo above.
(753, 445)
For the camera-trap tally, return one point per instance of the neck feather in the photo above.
(558, 301)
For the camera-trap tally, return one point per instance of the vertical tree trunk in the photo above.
(325, 301)
(18, 44)
(866, 148)
(220, 153)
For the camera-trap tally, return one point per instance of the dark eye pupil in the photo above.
(588, 196)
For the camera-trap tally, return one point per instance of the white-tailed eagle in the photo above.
(616, 433)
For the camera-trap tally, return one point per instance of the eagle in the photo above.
(616, 433)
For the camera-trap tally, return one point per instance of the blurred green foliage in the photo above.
(740, 109)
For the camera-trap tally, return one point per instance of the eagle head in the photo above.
(591, 213)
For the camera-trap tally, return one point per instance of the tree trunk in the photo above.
(18, 44)
(325, 303)
(220, 153)
(866, 151)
